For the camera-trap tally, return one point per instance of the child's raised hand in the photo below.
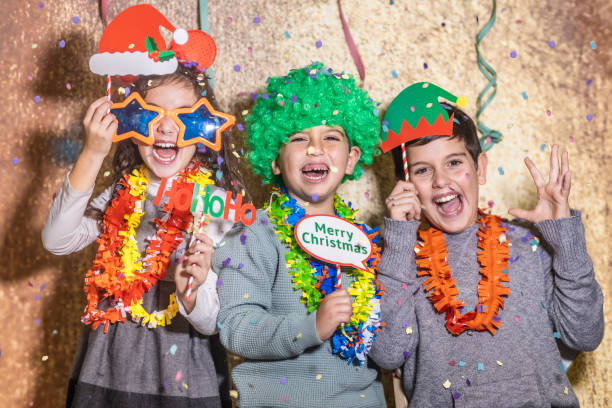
(100, 127)
(335, 308)
(196, 263)
(403, 203)
(553, 197)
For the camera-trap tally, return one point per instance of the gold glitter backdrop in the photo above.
(548, 93)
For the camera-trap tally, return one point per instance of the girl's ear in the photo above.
(353, 158)
(275, 168)
(483, 160)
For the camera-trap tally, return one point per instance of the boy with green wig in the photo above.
(303, 324)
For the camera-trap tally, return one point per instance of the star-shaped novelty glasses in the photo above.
(200, 123)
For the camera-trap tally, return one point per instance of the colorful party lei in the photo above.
(119, 272)
(432, 260)
(316, 279)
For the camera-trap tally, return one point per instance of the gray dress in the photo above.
(180, 365)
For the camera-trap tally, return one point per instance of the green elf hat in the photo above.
(415, 113)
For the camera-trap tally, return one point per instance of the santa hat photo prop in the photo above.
(133, 45)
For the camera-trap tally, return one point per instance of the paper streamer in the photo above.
(489, 136)
(351, 45)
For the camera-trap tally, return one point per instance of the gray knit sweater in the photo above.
(553, 294)
(263, 320)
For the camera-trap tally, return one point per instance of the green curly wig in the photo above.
(307, 97)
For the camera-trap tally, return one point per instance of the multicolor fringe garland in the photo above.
(119, 272)
(316, 279)
(431, 258)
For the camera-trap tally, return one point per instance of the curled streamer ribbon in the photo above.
(489, 136)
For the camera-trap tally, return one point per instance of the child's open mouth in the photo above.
(315, 173)
(449, 204)
(165, 152)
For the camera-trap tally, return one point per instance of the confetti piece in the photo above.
(179, 375)
(501, 171)
(173, 349)
(219, 174)
(15, 160)
(299, 335)
(229, 20)
(107, 173)
(406, 354)
(589, 117)
(456, 395)
(283, 380)
(240, 127)
(220, 325)
(237, 68)
(542, 147)
(499, 363)
(462, 363)
(37, 99)
(318, 377)
(293, 98)
(54, 332)
(68, 86)
(41, 5)
(480, 367)
(512, 54)
(257, 20)
(409, 330)
(240, 265)
(233, 394)
(551, 44)
(318, 44)
(593, 45)
(557, 335)
(62, 43)
(565, 390)
(227, 261)
(399, 301)
(589, 82)
(245, 296)
(37, 322)
(446, 384)
(524, 94)
(366, 195)
(315, 197)
(45, 358)
(394, 74)
(548, 112)
(287, 34)
(543, 305)
(452, 363)
(75, 20)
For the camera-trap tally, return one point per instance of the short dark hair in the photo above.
(463, 128)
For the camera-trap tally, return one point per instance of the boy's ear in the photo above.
(483, 160)
(353, 158)
(275, 168)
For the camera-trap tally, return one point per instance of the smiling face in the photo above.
(164, 158)
(447, 182)
(313, 163)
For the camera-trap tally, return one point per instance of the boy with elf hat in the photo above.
(474, 303)
(304, 325)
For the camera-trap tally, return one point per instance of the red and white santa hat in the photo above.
(133, 45)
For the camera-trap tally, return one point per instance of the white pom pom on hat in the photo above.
(180, 36)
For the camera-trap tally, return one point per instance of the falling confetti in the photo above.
(501, 171)
(179, 375)
(257, 20)
(62, 43)
(319, 44)
(237, 68)
(15, 161)
(589, 117)
(283, 380)
(318, 377)
(287, 34)
(551, 44)
(512, 54)
(394, 74)
(37, 99)
(75, 20)
(227, 261)
(593, 45)
(45, 358)
(409, 330)
(524, 94)
(446, 384)
(480, 366)
(173, 349)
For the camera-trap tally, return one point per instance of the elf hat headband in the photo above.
(415, 113)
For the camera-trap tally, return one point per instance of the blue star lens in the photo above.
(133, 117)
(201, 123)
